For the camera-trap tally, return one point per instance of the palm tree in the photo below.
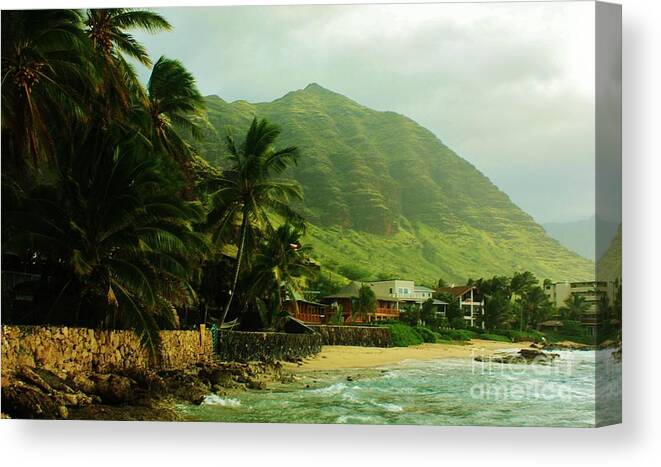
(280, 266)
(249, 190)
(535, 306)
(45, 78)
(175, 104)
(111, 43)
(521, 283)
(106, 29)
(575, 307)
(497, 310)
(123, 238)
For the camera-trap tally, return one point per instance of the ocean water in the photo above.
(438, 392)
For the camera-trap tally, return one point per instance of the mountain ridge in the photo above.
(376, 181)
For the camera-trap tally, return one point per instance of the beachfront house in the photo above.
(471, 305)
(387, 307)
(392, 297)
(303, 308)
(592, 291)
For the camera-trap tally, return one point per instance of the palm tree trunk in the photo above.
(237, 268)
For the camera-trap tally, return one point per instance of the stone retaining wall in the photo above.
(73, 350)
(365, 336)
(266, 346)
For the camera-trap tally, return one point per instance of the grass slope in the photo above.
(385, 195)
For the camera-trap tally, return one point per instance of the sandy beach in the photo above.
(334, 357)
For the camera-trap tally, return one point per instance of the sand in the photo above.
(335, 357)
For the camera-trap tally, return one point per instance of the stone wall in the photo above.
(73, 350)
(266, 346)
(365, 336)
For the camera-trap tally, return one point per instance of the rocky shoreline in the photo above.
(36, 393)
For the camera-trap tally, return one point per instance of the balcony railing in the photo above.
(387, 311)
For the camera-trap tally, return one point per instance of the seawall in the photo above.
(266, 346)
(77, 350)
(364, 336)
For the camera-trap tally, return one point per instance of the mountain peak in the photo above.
(383, 196)
(314, 87)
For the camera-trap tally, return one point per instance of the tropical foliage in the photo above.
(574, 308)
(105, 198)
(249, 190)
(280, 267)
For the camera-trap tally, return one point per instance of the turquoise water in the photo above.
(440, 392)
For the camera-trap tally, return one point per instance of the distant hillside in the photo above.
(387, 198)
(609, 266)
(577, 236)
(580, 237)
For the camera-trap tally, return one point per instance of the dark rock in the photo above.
(113, 389)
(24, 400)
(527, 356)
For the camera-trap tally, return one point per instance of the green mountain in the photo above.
(386, 197)
(609, 266)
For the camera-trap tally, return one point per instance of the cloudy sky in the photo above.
(509, 87)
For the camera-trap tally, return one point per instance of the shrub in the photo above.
(520, 336)
(403, 335)
(573, 331)
(354, 272)
(458, 323)
(533, 336)
(495, 337)
(455, 334)
(426, 334)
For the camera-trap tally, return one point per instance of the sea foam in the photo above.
(213, 399)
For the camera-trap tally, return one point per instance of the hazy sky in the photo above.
(509, 87)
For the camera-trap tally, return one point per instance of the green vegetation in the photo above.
(110, 210)
(456, 334)
(277, 273)
(571, 330)
(248, 191)
(404, 335)
(426, 334)
(609, 266)
(495, 337)
(91, 203)
(130, 210)
(385, 197)
(574, 308)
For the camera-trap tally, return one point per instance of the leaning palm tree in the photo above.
(250, 190)
(107, 30)
(123, 237)
(45, 79)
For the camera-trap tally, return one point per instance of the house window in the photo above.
(390, 289)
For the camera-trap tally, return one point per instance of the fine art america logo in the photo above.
(512, 377)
